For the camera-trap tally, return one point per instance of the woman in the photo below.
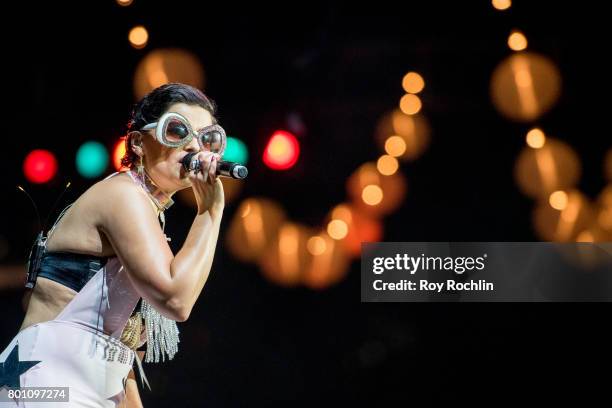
(108, 250)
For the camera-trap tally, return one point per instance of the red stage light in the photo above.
(282, 151)
(39, 166)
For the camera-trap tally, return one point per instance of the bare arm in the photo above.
(196, 254)
(132, 396)
(170, 283)
(25, 302)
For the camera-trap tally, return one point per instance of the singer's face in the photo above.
(164, 163)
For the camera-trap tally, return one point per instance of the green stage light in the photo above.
(236, 151)
(91, 159)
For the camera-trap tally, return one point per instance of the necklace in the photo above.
(161, 200)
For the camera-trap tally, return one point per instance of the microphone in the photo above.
(224, 168)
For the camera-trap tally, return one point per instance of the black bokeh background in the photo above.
(68, 78)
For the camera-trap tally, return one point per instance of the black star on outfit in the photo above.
(12, 368)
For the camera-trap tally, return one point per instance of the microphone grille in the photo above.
(241, 172)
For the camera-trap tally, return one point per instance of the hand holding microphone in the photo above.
(202, 169)
(224, 168)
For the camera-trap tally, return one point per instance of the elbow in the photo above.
(178, 310)
(183, 315)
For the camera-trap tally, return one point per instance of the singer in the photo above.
(108, 283)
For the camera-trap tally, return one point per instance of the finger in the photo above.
(212, 172)
(202, 158)
(194, 176)
(206, 168)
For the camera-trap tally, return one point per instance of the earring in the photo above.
(140, 170)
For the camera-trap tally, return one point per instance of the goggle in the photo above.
(174, 130)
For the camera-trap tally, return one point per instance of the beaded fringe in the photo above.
(162, 334)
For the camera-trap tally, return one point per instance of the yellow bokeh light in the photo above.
(501, 4)
(254, 221)
(525, 85)
(255, 227)
(387, 165)
(327, 268)
(605, 218)
(395, 146)
(566, 225)
(246, 209)
(413, 83)
(536, 138)
(316, 245)
(403, 136)
(342, 212)
(124, 3)
(410, 104)
(284, 260)
(585, 236)
(138, 37)
(541, 172)
(372, 194)
(337, 229)
(165, 65)
(606, 197)
(288, 240)
(558, 200)
(517, 41)
(523, 78)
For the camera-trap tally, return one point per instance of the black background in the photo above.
(67, 78)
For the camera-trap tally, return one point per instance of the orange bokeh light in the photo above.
(118, 153)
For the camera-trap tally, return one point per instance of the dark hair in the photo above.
(150, 108)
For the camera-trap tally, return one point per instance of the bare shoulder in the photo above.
(109, 197)
(123, 212)
(118, 183)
